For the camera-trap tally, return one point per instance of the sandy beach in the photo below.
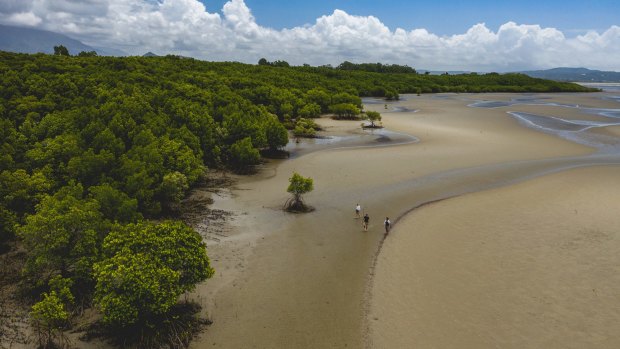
(317, 280)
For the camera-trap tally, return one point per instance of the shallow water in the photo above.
(519, 101)
(467, 180)
(612, 98)
(365, 138)
(578, 131)
(574, 130)
(404, 110)
(607, 87)
(609, 113)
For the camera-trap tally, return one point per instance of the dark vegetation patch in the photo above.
(275, 154)
(365, 126)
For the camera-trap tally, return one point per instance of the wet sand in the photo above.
(533, 265)
(303, 281)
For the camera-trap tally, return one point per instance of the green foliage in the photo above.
(88, 167)
(299, 185)
(20, 191)
(240, 126)
(277, 63)
(346, 98)
(49, 316)
(50, 311)
(320, 97)
(345, 111)
(305, 128)
(87, 54)
(277, 136)
(8, 223)
(173, 188)
(392, 94)
(145, 270)
(132, 287)
(376, 67)
(60, 50)
(310, 110)
(62, 288)
(243, 156)
(114, 204)
(373, 116)
(63, 237)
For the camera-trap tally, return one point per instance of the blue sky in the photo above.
(442, 17)
(478, 35)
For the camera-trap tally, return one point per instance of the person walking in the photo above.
(366, 220)
(358, 209)
(387, 225)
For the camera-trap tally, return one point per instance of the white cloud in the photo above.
(27, 19)
(186, 27)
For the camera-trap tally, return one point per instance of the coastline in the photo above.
(302, 279)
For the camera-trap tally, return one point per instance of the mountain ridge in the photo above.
(574, 74)
(30, 40)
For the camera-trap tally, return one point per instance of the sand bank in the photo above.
(287, 280)
(533, 265)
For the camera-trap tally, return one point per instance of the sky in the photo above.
(474, 35)
(441, 17)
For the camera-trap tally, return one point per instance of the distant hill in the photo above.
(29, 40)
(575, 74)
(149, 54)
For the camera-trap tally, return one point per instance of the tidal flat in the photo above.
(504, 234)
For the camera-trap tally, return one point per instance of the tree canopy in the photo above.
(376, 67)
(298, 185)
(61, 50)
(146, 267)
(373, 116)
